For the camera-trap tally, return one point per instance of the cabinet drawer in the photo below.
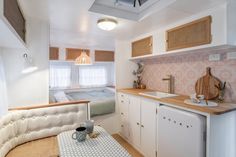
(122, 98)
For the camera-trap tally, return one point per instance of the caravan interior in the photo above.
(117, 78)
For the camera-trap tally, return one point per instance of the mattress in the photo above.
(101, 101)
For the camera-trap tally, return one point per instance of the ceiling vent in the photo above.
(130, 3)
(134, 10)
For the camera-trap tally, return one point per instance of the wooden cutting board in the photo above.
(206, 85)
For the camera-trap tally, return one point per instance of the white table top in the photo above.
(102, 146)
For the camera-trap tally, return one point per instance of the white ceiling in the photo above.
(71, 24)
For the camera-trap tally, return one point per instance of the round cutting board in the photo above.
(206, 85)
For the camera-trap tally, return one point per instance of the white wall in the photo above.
(231, 22)
(123, 67)
(3, 89)
(32, 88)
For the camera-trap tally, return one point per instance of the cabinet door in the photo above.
(148, 127)
(124, 107)
(134, 121)
(53, 53)
(13, 14)
(192, 34)
(142, 47)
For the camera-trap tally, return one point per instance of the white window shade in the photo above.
(68, 75)
(93, 76)
(60, 76)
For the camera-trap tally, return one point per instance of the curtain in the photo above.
(66, 74)
(60, 76)
(3, 90)
(74, 76)
(93, 76)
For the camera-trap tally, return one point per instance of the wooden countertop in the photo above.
(179, 102)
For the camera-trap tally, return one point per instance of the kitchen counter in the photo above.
(178, 101)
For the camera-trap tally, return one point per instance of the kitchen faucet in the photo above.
(170, 80)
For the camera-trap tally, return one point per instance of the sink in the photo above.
(202, 103)
(158, 95)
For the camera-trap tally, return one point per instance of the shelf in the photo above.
(212, 49)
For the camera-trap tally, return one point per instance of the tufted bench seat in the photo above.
(18, 127)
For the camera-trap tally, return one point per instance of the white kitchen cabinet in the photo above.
(148, 127)
(219, 142)
(223, 18)
(142, 124)
(134, 121)
(124, 109)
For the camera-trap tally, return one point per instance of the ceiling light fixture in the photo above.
(28, 64)
(83, 59)
(107, 24)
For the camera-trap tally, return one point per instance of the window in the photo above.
(68, 75)
(93, 76)
(60, 76)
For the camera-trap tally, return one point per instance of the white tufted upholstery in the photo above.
(18, 127)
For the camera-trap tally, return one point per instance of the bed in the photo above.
(102, 100)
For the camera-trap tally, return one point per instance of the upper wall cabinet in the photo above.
(15, 17)
(142, 47)
(12, 24)
(72, 53)
(207, 31)
(104, 56)
(53, 53)
(191, 34)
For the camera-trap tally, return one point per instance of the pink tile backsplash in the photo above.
(187, 69)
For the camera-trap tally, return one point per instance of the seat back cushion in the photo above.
(18, 127)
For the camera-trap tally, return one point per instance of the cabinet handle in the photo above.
(122, 113)
(122, 126)
(137, 123)
(122, 95)
(142, 126)
(122, 101)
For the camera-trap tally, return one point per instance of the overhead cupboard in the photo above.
(12, 24)
(70, 54)
(192, 34)
(205, 32)
(142, 47)
(73, 53)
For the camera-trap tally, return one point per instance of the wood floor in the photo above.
(133, 152)
(48, 147)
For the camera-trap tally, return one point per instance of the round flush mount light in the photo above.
(107, 24)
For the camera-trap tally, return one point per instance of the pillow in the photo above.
(61, 96)
(70, 98)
